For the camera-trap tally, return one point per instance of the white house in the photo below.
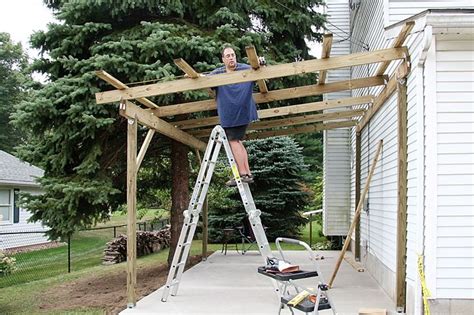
(440, 183)
(17, 177)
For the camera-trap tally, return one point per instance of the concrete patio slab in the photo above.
(230, 284)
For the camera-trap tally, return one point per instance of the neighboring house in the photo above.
(440, 225)
(17, 177)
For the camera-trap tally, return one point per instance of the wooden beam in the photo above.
(397, 43)
(253, 59)
(145, 117)
(305, 119)
(276, 95)
(268, 72)
(121, 86)
(282, 111)
(358, 150)
(309, 119)
(132, 212)
(304, 129)
(298, 120)
(327, 44)
(186, 68)
(144, 147)
(356, 214)
(402, 71)
(402, 195)
(191, 73)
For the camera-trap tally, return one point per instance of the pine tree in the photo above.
(278, 166)
(81, 145)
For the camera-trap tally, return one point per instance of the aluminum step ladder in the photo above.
(191, 215)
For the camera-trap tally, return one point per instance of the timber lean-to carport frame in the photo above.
(294, 119)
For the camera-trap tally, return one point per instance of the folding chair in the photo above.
(247, 237)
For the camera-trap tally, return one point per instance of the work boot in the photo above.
(247, 178)
(231, 183)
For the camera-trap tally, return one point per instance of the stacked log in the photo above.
(147, 242)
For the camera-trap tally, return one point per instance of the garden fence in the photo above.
(84, 249)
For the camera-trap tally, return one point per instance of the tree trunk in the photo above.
(179, 191)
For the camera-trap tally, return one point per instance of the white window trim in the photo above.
(10, 221)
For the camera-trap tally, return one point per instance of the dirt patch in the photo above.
(108, 292)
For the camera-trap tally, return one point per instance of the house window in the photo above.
(6, 201)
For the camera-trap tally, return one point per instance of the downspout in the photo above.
(420, 243)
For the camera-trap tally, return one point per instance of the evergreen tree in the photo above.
(81, 145)
(278, 166)
(14, 82)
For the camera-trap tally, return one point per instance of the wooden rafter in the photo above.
(298, 120)
(303, 129)
(276, 95)
(190, 72)
(130, 110)
(402, 71)
(282, 111)
(397, 43)
(327, 44)
(121, 86)
(269, 72)
(253, 60)
(186, 68)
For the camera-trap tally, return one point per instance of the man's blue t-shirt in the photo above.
(235, 104)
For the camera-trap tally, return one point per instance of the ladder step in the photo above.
(181, 263)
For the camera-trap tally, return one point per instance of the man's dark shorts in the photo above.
(235, 133)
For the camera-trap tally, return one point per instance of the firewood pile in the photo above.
(147, 242)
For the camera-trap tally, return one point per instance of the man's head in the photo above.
(228, 58)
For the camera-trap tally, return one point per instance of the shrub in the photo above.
(7, 264)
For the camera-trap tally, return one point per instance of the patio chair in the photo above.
(247, 237)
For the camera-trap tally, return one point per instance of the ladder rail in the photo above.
(195, 216)
(185, 231)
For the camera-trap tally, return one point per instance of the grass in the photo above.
(86, 251)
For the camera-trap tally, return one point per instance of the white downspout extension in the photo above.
(420, 217)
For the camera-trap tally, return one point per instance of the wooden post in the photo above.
(357, 193)
(356, 214)
(204, 218)
(132, 212)
(402, 195)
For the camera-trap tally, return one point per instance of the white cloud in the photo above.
(21, 18)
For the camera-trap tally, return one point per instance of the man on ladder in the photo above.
(236, 109)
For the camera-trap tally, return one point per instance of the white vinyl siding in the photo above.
(18, 240)
(455, 166)
(402, 9)
(337, 154)
(379, 217)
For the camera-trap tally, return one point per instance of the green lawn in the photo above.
(86, 251)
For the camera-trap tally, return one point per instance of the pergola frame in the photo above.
(285, 120)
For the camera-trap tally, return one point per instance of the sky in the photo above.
(21, 18)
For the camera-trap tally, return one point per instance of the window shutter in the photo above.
(16, 206)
